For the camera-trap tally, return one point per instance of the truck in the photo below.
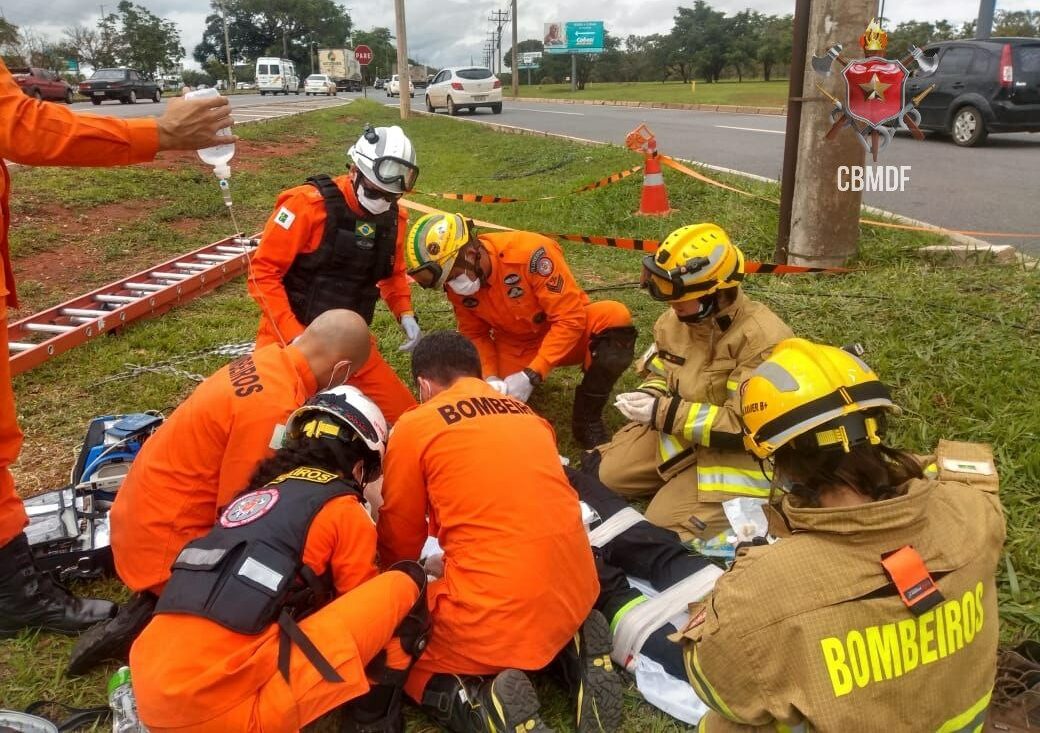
(340, 65)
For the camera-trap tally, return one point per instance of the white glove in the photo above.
(519, 385)
(498, 385)
(412, 331)
(636, 406)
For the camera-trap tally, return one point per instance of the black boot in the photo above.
(612, 352)
(31, 599)
(506, 702)
(112, 639)
(380, 709)
(588, 672)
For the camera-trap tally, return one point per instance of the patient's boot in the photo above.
(503, 703)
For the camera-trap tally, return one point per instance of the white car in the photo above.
(393, 87)
(319, 84)
(465, 86)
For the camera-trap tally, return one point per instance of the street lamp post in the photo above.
(227, 46)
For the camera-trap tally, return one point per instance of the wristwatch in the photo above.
(533, 376)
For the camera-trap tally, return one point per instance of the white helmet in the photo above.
(385, 156)
(328, 413)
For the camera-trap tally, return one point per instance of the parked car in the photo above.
(319, 84)
(245, 85)
(981, 86)
(393, 87)
(43, 84)
(465, 86)
(126, 85)
(378, 83)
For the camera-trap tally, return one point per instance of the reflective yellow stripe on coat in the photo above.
(730, 480)
(970, 721)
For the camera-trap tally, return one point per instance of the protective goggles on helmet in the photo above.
(679, 282)
(435, 274)
(390, 170)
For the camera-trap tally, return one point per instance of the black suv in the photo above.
(981, 86)
(126, 85)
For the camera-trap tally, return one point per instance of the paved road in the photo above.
(991, 188)
(246, 107)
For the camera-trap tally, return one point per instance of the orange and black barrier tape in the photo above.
(479, 198)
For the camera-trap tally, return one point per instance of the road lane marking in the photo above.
(548, 111)
(751, 129)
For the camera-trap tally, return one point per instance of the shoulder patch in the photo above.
(305, 473)
(512, 279)
(555, 285)
(537, 257)
(470, 302)
(284, 218)
(249, 507)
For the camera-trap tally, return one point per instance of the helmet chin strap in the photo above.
(708, 305)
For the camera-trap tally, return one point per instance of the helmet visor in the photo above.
(399, 173)
(428, 275)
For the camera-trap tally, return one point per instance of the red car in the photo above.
(43, 84)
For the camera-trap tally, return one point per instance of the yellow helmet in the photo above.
(814, 396)
(433, 244)
(692, 262)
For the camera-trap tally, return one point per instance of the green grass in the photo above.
(956, 375)
(748, 93)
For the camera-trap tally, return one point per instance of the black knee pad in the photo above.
(613, 349)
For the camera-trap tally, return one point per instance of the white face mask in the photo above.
(374, 206)
(333, 382)
(464, 285)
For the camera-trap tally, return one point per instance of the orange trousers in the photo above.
(349, 632)
(376, 379)
(599, 316)
(12, 511)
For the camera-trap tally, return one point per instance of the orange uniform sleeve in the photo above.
(395, 290)
(342, 539)
(294, 228)
(43, 133)
(402, 528)
(479, 332)
(563, 302)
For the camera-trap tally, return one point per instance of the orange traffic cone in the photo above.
(654, 200)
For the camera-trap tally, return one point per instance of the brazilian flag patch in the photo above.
(365, 230)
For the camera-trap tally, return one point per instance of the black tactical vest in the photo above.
(249, 567)
(353, 256)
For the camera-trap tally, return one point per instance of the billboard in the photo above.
(529, 60)
(583, 36)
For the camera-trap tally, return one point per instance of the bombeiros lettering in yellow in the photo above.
(888, 651)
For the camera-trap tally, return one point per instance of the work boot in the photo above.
(588, 672)
(112, 639)
(506, 702)
(31, 599)
(611, 352)
(380, 709)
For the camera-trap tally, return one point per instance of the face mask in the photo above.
(374, 206)
(332, 377)
(464, 285)
(423, 397)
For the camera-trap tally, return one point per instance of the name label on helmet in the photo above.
(303, 473)
(750, 407)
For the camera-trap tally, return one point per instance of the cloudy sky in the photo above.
(448, 32)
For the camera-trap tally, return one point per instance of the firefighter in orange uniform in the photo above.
(516, 299)
(203, 455)
(879, 612)
(39, 133)
(480, 471)
(271, 618)
(336, 243)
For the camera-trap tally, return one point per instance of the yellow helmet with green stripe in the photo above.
(434, 242)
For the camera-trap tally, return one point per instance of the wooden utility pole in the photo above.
(404, 75)
(514, 64)
(824, 220)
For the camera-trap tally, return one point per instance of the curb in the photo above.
(968, 244)
(728, 108)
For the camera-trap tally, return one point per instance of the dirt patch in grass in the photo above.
(250, 155)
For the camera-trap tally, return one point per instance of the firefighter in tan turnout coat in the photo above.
(684, 443)
(880, 611)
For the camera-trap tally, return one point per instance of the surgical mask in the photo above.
(464, 285)
(373, 205)
(332, 377)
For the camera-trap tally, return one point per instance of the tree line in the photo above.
(708, 45)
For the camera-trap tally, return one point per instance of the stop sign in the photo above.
(363, 54)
